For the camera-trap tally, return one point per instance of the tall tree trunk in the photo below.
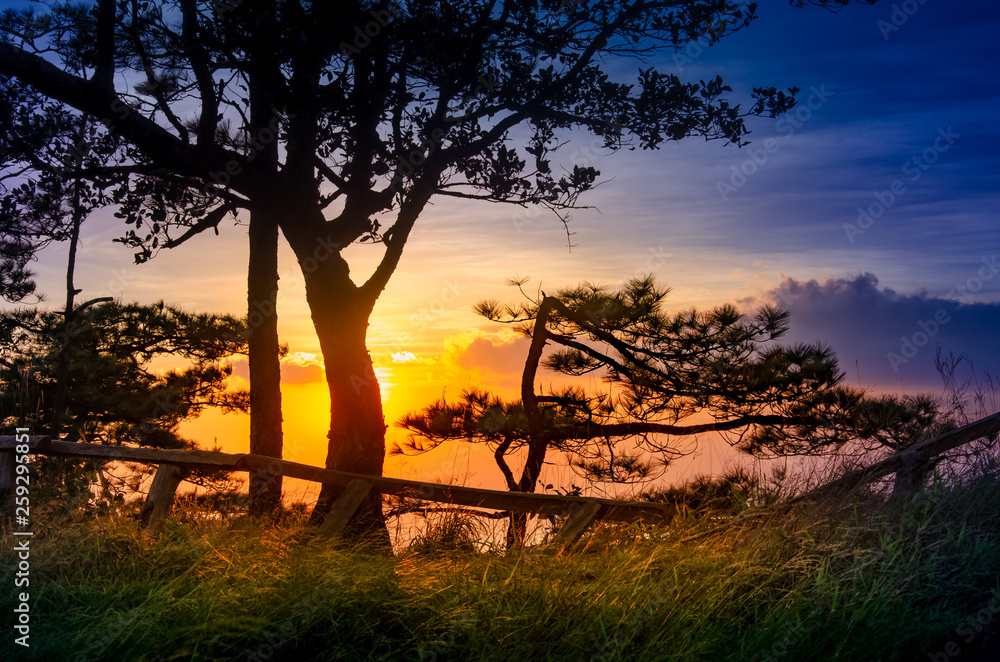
(340, 314)
(69, 322)
(265, 365)
(262, 280)
(357, 426)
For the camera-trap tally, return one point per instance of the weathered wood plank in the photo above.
(543, 504)
(910, 476)
(8, 442)
(576, 525)
(189, 458)
(344, 507)
(902, 461)
(153, 516)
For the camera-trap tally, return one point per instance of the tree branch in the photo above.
(498, 455)
(400, 232)
(156, 142)
(202, 67)
(598, 430)
(211, 221)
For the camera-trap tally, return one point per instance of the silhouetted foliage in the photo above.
(45, 197)
(55, 172)
(706, 496)
(669, 375)
(114, 394)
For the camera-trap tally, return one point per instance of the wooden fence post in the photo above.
(910, 476)
(6, 473)
(344, 508)
(908, 461)
(576, 524)
(153, 516)
(174, 466)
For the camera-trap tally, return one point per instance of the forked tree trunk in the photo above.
(265, 366)
(357, 426)
(340, 312)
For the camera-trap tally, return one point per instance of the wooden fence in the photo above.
(912, 464)
(174, 466)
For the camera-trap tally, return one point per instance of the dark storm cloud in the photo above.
(892, 338)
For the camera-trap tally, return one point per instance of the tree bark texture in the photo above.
(340, 313)
(265, 365)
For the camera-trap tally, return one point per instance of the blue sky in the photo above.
(897, 118)
(913, 110)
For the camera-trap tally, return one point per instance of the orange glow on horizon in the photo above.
(409, 378)
(425, 345)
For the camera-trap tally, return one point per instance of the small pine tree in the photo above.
(113, 394)
(661, 371)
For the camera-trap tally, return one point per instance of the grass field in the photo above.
(853, 580)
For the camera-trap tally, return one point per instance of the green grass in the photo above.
(838, 582)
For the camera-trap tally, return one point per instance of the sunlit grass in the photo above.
(833, 581)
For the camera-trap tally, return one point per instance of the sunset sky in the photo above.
(897, 119)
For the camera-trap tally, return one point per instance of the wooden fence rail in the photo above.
(910, 464)
(174, 465)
